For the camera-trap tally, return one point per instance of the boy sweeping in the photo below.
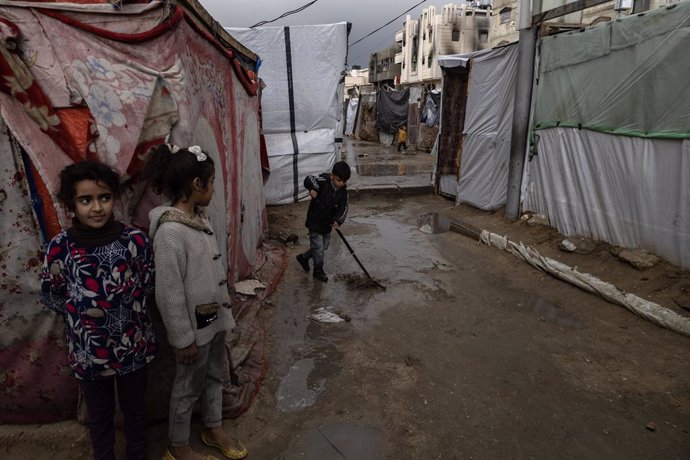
(327, 210)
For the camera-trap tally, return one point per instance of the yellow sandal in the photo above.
(233, 453)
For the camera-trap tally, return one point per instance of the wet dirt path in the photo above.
(468, 353)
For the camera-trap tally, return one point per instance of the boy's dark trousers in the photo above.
(100, 401)
(403, 145)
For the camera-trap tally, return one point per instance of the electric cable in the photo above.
(288, 13)
(373, 32)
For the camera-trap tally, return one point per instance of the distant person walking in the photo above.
(402, 137)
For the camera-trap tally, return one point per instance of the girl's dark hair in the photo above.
(85, 170)
(172, 174)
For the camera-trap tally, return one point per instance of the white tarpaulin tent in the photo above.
(612, 132)
(488, 125)
(302, 102)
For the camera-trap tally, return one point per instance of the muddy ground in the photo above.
(467, 353)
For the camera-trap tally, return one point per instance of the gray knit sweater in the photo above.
(190, 278)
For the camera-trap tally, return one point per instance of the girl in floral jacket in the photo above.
(98, 275)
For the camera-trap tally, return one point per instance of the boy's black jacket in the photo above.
(330, 205)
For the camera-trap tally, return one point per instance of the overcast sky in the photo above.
(365, 16)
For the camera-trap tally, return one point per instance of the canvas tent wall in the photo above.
(612, 133)
(484, 149)
(91, 81)
(302, 67)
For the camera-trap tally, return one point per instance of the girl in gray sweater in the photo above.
(192, 296)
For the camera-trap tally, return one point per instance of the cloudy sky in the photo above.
(365, 16)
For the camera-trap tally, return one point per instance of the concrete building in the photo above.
(457, 29)
(382, 66)
(504, 16)
(354, 79)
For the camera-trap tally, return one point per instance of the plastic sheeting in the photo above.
(650, 311)
(391, 110)
(627, 77)
(629, 191)
(351, 115)
(301, 102)
(488, 126)
(430, 113)
(205, 102)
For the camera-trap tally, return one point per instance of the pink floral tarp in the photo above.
(108, 86)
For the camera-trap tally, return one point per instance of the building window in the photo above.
(455, 34)
(506, 14)
(640, 5)
(430, 60)
(483, 36)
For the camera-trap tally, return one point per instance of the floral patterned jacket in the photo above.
(104, 293)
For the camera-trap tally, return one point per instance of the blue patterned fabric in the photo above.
(104, 294)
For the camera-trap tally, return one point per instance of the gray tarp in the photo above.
(488, 126)
(628, 77)
(391, 110)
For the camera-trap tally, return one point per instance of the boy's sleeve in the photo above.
(341, 212)
(311, 183)
(171, 264)
(53, 283)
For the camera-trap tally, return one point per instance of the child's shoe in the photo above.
(320, 275)
(303, 261)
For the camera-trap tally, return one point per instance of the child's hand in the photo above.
(187, 355)
(313, 193)
(336, 225)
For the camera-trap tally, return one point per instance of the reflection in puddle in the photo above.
(433, 223)
(548, 311)
(294, 392)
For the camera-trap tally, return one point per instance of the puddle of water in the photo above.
(338, 441)
(548, 311)
(433, 223)
(295, 392)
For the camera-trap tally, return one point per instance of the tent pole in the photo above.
(521, 109)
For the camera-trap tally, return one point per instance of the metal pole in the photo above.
(521, 109)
